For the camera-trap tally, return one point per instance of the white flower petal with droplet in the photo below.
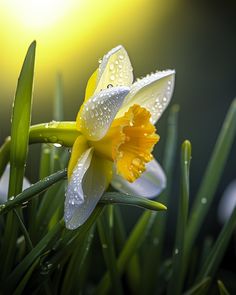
(4, 182)
(100, 110)
(227, 203)
(115, 69)
(149, 184)
(152, 92)
(87, 184)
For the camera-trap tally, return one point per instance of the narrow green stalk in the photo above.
(211, 178)
(222, 288)
(125, 199)
(214, 258)
(24, 231)
(4, 155)
(176, 281)
(107, 243)
(63, 133)
(21, 117)
(200, 288)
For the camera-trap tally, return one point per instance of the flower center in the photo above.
(129, 142)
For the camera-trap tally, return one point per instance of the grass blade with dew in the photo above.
(214, 258)
(155, 238)
(211, 177)
(137, 201)
(32, 191)
(21, 117)
(107, 243)
(135, 239)
(176, 281)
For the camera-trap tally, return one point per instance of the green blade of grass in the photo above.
(214, 258)
(108, 249)
(200, 288)
(176, 281)
(32, 191)
(21, 116)
(4, 155)
(222, 288)
(72, 280)
(211, 177)
(155, 237)
(20, 288)
(125, 199)
(29, 259)
(135, 240)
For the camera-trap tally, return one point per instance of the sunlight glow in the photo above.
(38, 13)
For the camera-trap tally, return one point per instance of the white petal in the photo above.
(227, 203)
(100, 110)
(85, 188)
(115, 69)
(149, 184)
(153, 92)
(4, 181)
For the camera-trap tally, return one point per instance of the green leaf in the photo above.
(214, 258)
(211, 178)
(176, 282)
(222, 288)
(200, 288)
(136, 238)
(125, 199)
(21, 116)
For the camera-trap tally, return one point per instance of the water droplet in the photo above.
(57, 145)
(112, 78)
(204, 201)
(111, 67)
(109, 85)
(121, 56)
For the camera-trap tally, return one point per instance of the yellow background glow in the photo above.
(71, 36)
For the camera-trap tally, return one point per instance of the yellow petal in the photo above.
(79, 147)
(115, 69)
(90, 88)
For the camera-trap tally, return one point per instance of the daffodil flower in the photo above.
(117, 136)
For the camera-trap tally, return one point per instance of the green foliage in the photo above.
(40, 256)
